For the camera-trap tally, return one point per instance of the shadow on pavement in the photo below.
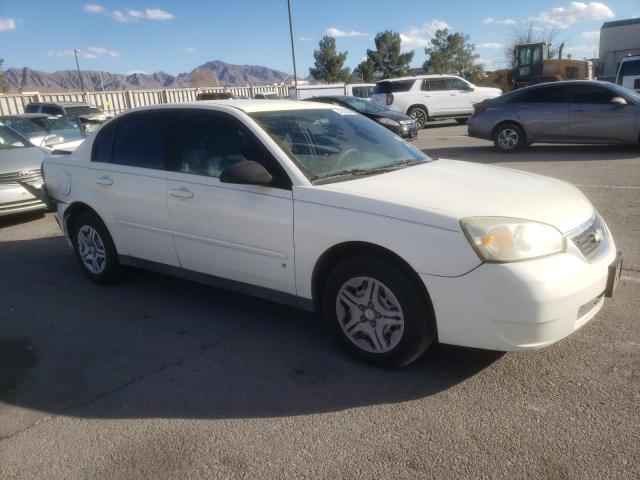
(17, 219)
(536, 153)
(155, 346)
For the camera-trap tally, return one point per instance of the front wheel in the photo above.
(420, 115)
(462, 121)
(94, 249)
(509, 138)
(378, 312)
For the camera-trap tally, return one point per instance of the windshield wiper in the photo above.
(353, 172)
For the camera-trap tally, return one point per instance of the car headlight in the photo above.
(503, 239)
(389, 122)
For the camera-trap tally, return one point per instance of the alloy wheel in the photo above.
(508, 138)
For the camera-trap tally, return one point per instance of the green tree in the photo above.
(364, 71)
(450, 53)
(329, 64)
(4, 86)
(386, 59)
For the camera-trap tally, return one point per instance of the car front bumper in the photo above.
(521, 305)
(15, 199)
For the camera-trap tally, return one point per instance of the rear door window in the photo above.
(31, 108)
(52, 110)
(551, 94)
(143, 139)
(101, 151)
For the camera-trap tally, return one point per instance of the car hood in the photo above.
(16, 159)
(488, 91)
(442, 192)
(398, 117)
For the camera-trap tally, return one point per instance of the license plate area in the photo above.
(615, 270)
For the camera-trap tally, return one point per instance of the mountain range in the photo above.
(215, 73)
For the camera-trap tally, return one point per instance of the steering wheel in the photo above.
(348, 152)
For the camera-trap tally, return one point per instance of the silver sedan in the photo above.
(581, 111)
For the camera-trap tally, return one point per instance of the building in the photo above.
(618, 39)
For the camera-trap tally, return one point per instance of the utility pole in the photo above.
(101, 83)
(293, 50)
(76, 52)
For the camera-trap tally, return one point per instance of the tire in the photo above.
(509, 138)
(462, 121)
(392, 340)
(420, 115)
(94, 249)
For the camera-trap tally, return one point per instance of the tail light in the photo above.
(389, 98)
(478, 109)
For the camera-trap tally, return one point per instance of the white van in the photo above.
(629, 73)
(361, 90)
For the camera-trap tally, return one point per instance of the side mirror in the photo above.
(618, 101)
(247, 172)
(470, 88)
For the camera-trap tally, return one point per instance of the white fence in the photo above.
(119, 101)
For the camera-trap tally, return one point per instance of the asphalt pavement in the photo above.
(163, 378)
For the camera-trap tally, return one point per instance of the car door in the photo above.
(237, 232)
(593, 118)
(128, 176)
(543, 112)
(437, 97)
(461, 96)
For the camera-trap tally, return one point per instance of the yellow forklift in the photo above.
(533, 65)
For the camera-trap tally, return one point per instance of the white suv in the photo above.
(430, 97)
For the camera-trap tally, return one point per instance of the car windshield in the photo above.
(9, 139)
(337, 144)
(47, 131)
(365, 106)
(82, 110)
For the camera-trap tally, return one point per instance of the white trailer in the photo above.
(362, 90)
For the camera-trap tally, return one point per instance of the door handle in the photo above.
(182, 192)
(104, 180)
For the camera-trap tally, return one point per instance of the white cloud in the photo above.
(157, 14)
(135, 14)
(421, 36)
(189, 49)
(118, 16)
(590, 35)
(306, 39)
(491, 45)
(505, 21)
(563, 17)
(131, 15)
(94, 8)
(90, 53)
(336, 33)
(7, 24)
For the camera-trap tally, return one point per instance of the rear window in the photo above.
(102, 144)
(630, 68)
(393, 87)
(142, 139)
(82, 110)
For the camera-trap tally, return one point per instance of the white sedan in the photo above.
(319, 207)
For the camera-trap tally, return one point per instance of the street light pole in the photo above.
(79, 74)
(293, 50)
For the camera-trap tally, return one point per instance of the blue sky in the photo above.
(175, 36)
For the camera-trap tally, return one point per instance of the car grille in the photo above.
(589, 239)
(33, 175)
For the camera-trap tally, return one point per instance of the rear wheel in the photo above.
(419, 114)
(94, 249)
(509, 138)
(462, 121)
(377, 311)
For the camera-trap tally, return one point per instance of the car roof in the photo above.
(246, 105)
(63, 104)
(416, 77)
(29, 115)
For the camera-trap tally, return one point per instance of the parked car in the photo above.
(88, 116)
(302, 92)
(313, 206)
(431, 97)
(629, 73)
(46, 131)
(20, 162)
(572, 111)
(402, 125)
(268, 96)
(214, 96)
